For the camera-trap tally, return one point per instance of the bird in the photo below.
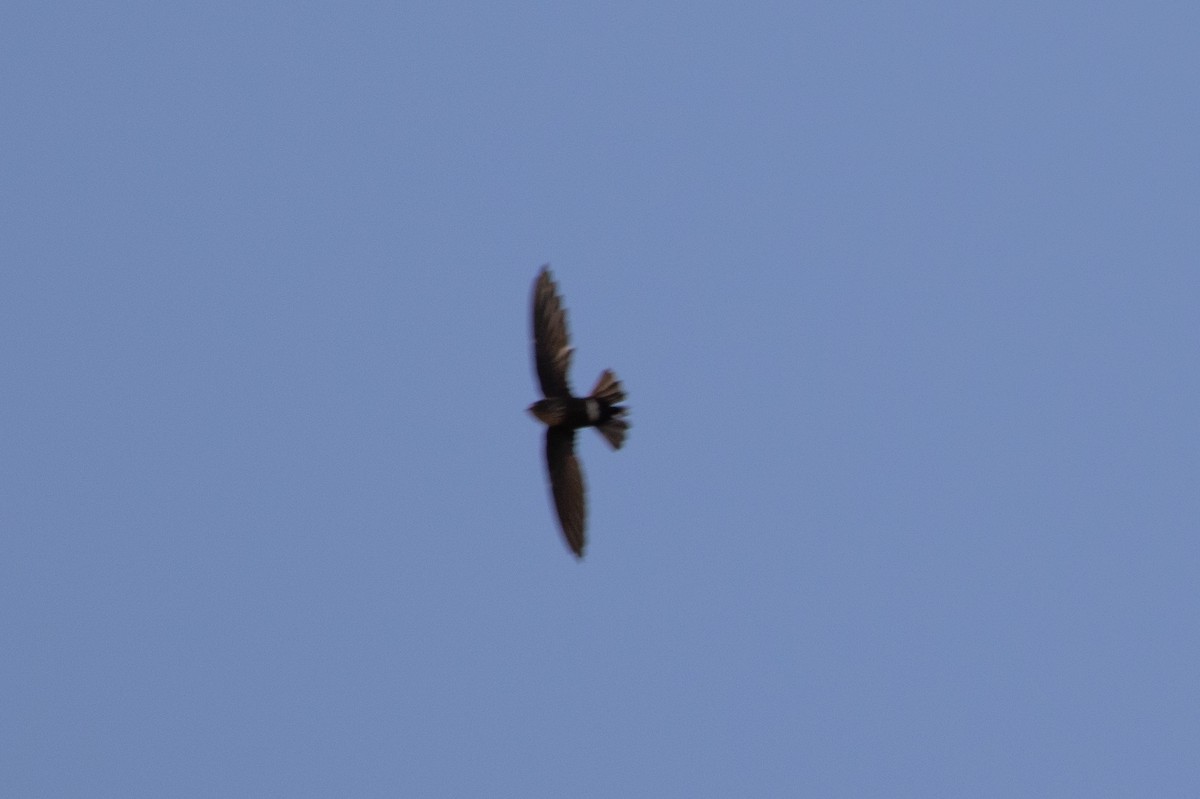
(563, 413)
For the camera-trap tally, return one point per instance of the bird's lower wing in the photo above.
(566, 482)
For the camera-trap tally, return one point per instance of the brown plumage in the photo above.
(563, 413)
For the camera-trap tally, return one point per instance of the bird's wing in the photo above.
(566, 481)
(551, 345)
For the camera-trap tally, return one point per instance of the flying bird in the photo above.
(564, 413)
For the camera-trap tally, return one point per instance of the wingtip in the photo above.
(544, 286)
(576, 547)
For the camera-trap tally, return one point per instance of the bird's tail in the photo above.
(609, 391)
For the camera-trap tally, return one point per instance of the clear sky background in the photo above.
(905, 299)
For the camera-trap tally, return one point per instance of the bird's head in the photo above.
(549, 411)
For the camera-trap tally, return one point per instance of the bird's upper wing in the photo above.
(566, 481)
(551, 345)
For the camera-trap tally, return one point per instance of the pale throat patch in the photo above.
(593, 410)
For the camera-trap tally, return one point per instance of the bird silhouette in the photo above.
(563, 413)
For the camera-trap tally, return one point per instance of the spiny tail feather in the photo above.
(609, 391)
(608, 388)
(614, 431)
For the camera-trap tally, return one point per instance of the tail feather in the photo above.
(614, 431)
(608, 388)
(609, 391)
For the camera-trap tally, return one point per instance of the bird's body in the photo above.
(563, 413)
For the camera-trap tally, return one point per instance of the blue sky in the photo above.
(904, 297)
